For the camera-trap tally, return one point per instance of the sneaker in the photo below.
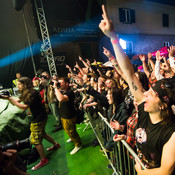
(76, 149)
(54, 147)
(101, 150)
(42, 163)
(69, 140)
(95, 143)
(109, 166)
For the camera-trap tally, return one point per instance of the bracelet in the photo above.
(115, 41)
(112, 58)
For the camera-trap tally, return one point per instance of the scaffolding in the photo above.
(46, 46)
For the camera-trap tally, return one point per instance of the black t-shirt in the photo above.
(150, 138)
(37, 108)
(67, 109)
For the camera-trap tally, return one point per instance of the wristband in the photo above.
(111, 58)
(115, 41)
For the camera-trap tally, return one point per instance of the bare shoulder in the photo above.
(172, 138)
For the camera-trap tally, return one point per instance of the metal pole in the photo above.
(27, 33)
(124, 142)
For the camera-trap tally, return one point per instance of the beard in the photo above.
(45, 83)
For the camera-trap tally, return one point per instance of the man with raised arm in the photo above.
(155, 130)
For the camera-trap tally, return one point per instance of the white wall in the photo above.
(148, 17)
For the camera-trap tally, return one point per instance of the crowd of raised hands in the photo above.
(121, 88)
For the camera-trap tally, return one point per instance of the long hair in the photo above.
(117, 97)
(26, 93)
(167, 114)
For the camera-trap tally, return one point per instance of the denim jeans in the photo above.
(55, 111)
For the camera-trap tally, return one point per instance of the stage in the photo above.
(14, 123)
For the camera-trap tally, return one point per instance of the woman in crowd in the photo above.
(131, 123)
(115, 106)
(127, 96)
(155, 130)
(132, 120)
(117, 112)
(32, 101)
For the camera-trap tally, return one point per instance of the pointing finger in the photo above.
(105, 15)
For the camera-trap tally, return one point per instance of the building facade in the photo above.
(146, 26)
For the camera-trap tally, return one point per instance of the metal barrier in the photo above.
(120, 156)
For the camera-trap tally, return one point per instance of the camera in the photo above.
(52, 83)
(4, 92)
(17, 145)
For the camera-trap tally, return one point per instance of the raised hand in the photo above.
(142, 57)
(80, 58)
(149, 56)
(107, 52)
(95, 62)
(67, 66)
(158, 56)
(106, 24)
(171, 51)
(88, 62)
(166, 65)
(76, 65)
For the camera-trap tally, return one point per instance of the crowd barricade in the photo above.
(122, 157)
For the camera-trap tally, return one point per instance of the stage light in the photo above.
(80, 32)
(122, 43)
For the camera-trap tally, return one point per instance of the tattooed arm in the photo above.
(136, 88)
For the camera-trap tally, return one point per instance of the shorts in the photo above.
(37, 132)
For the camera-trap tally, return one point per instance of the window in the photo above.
(126, 15)
(166, 44)
(165, 20)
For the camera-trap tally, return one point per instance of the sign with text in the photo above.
(59, 59)
(68, 31)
